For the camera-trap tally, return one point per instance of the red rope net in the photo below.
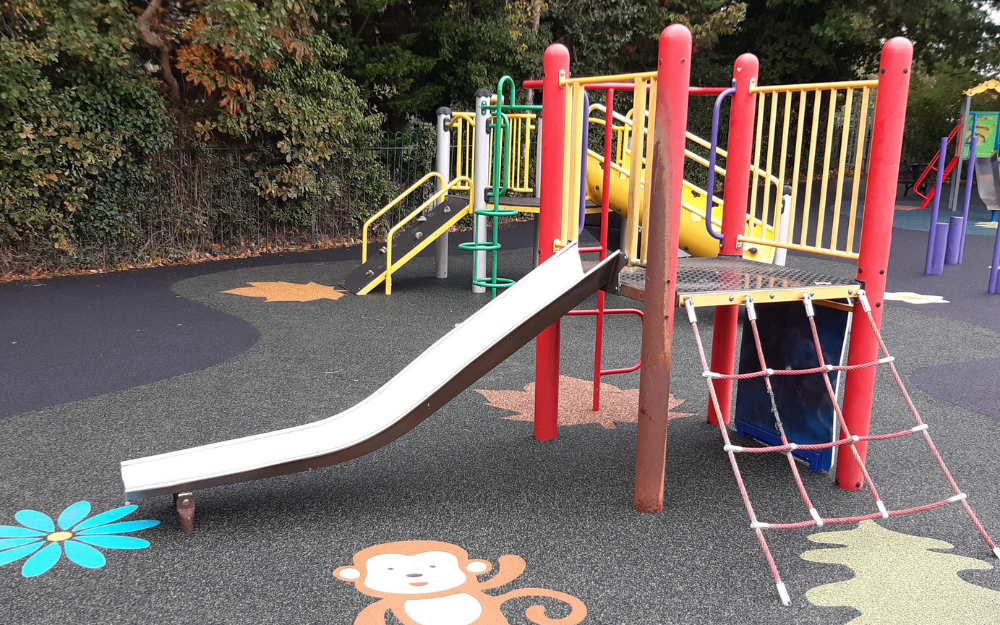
(847, 439)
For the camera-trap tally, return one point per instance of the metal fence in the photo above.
(200, 202)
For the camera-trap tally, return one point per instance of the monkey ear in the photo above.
(479, 567)
(347, 573)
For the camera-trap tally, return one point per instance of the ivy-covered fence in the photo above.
(194, 203)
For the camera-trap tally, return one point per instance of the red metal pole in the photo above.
(550, 215)
(734, 201)
(666, 176)
(609, 110)
(876, 235)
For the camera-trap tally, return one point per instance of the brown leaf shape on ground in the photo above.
(288, 291)
(576, 402)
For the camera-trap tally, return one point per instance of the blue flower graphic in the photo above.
(77, 535)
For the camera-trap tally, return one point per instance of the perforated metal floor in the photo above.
(727, 280)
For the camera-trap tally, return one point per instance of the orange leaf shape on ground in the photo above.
(576, 399)
(288, 291)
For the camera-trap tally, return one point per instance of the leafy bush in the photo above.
(78, 118)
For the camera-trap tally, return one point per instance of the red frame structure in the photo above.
(666, 177)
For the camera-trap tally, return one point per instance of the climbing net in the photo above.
(846, 438)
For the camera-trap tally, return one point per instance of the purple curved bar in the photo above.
(710, 185)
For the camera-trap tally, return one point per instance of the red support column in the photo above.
(876, 235)
(660, 301)
(734, 202)
(556, 66)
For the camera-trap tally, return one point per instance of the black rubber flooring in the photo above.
(85, 394)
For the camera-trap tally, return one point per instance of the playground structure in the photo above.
(648, 268)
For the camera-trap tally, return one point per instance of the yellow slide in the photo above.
(694, 239)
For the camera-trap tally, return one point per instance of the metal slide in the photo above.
(988, 180)
(448, 367)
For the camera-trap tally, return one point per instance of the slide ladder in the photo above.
(416, 231)
(932, 169)
(847, 439)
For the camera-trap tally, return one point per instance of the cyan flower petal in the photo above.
(74, 514)
(84, 555)
(42, 561)
(35, 520)
(12, 531)
(105, 517)
(12, 555)
(114, 542)
(118, 528)
(10, 543)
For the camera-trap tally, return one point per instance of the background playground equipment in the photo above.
(664, 282)
(946, 241)
(982, 126)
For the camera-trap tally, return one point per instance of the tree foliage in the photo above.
(78, 115)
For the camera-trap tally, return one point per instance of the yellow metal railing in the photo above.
(623, 154)
(518, 160)
(402, 196)
(837, 115)
(464, 126)
(631, 146)
(454, 184)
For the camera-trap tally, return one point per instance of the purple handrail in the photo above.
(710, 185)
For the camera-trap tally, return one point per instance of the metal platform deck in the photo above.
(727, 280)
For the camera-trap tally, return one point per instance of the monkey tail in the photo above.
(536, 613)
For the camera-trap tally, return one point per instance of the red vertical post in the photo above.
(556, 66)
(609, 120)
(734, 211)
(673, 78)
(876, 235)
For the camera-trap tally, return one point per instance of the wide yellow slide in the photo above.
(694, 238)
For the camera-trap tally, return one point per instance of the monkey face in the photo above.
(431, 571)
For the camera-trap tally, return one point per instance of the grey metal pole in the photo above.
(480, 180)
(538, 182)
(443, 167)
(786, 201)
(957, 172)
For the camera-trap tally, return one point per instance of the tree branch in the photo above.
(154, 40)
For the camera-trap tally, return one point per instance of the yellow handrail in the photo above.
(416, 185)
(590, 80)
(388, 242)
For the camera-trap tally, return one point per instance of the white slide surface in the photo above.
(987, 181)
(446, 368)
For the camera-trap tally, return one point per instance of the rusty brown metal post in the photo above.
(666, 177)
(185, 510)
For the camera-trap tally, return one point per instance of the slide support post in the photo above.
(550, 216)
(666, 175)
(876, 236)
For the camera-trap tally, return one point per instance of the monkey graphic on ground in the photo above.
(425, 582)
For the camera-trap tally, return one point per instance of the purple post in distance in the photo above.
(994, 269)
(970, 170)
(939, 241)
(935, 205)
(953, 250)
